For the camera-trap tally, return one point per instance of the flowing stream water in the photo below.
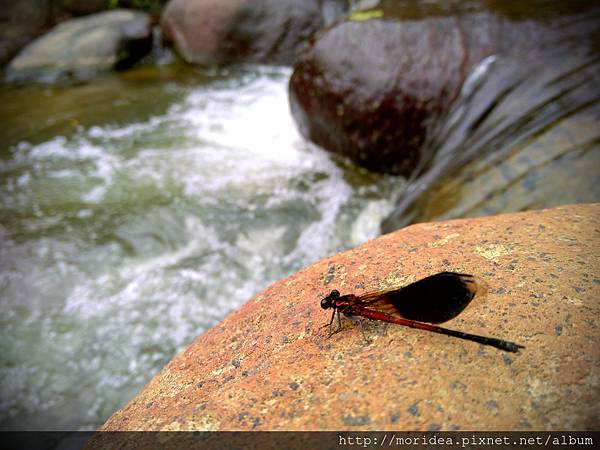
(140, 209)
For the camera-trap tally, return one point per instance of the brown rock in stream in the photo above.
(221, 32)
(374, 88)
(271, 366)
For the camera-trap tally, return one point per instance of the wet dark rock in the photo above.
(527, 136)
(368, 89)
(24, 20)
(80, 48)
(379, 86)
(218, 32)
(20, 22)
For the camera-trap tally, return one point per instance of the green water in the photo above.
(137, 211)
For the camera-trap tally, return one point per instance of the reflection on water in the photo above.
(123, 238)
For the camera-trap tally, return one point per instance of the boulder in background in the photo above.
(217, 32)
(369, 89)
(22, 21)
(80, 48)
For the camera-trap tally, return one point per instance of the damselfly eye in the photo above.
(327, 302)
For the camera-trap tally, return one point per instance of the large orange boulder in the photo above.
(271, 366)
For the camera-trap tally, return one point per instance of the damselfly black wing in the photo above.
(434, 299)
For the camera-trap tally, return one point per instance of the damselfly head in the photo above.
(329, 301)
